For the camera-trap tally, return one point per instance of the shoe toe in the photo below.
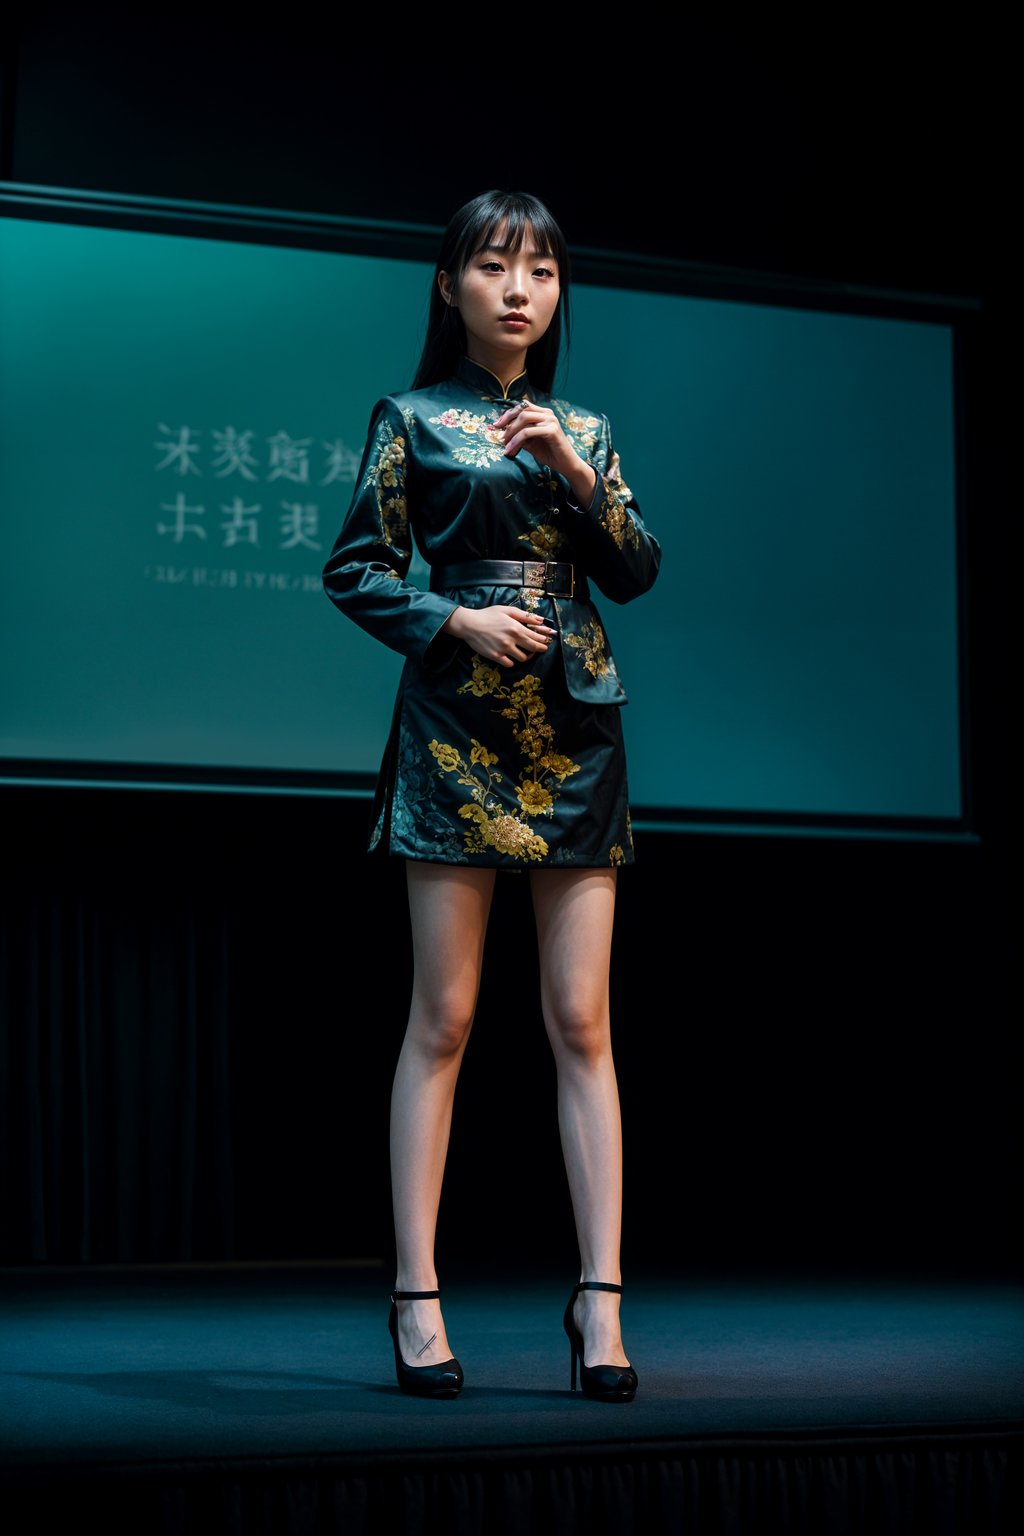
(611, 1383)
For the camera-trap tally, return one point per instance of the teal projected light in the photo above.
(804, 628)
(181, 421)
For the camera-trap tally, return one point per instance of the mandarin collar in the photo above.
(487, 384)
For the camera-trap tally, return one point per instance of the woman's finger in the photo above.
(533, 429)
(533, 622)
(513, 412)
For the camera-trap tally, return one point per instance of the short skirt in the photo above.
(501, 767)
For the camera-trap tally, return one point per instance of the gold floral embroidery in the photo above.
(504, 833)
(614, 514)
(590, 642)
(387, 475)
(584, 429)
(613, 474)
(545, 539)
(484, 680)
(524, 704)
(491, 826)
(481, 755)
(446, 756)
(615, 519)
(560, 766)
(485, 445)
(616, 855)
(534, 798)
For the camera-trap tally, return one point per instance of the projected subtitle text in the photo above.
(230, 579)
(245, 522)
(232, 453)
(297, 524)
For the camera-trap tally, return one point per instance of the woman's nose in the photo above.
(516, 292)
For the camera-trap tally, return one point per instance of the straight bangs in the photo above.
(521, 226)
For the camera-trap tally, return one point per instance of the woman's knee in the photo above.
(579, 1032)
(440, 1026)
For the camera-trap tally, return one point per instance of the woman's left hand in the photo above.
(538, 429)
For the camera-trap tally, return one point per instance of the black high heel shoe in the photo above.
(606, 1383)
(444, 1380)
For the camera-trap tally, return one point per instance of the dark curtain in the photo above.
(115, 1099)
(201, 1000)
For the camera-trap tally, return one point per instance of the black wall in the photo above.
(204, 994)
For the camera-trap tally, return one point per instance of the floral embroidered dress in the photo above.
(517, 766)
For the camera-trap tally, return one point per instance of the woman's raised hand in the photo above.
(504, 635)
(538, 429)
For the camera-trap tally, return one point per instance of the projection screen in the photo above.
(181, 421)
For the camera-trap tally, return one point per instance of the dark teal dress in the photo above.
(492, 766)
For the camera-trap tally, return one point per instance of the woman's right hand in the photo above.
(504, 635)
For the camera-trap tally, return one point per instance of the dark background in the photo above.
(203, 994)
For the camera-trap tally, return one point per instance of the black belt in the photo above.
(556, 577)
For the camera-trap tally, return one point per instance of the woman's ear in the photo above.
(447, 288)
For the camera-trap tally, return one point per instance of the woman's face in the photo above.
(507, 300)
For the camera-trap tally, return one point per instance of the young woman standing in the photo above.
(505, 751)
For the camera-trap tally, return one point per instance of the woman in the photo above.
(506, 746)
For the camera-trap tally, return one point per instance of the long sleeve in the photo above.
(617, 551)
(365, 575)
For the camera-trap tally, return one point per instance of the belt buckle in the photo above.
(540, 574)
(552, 565)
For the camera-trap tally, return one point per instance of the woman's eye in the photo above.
(544, 272)
(491, 266)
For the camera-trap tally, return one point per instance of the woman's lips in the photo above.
(514, 322)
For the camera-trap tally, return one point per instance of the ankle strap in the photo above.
(414, 1295)
(595, 1285)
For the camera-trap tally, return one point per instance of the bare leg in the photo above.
(449, 907)
(575, 911)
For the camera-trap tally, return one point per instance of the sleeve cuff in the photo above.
(440, 649)
(592, 505)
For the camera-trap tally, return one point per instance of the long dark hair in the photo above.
(472, 228)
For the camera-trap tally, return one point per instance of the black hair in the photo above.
(470, 229)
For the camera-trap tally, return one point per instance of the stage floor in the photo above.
(106, 1367)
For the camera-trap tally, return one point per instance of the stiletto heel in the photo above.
(605, 1383)
(444, 1380)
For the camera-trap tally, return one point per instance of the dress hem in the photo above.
(518, 867)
